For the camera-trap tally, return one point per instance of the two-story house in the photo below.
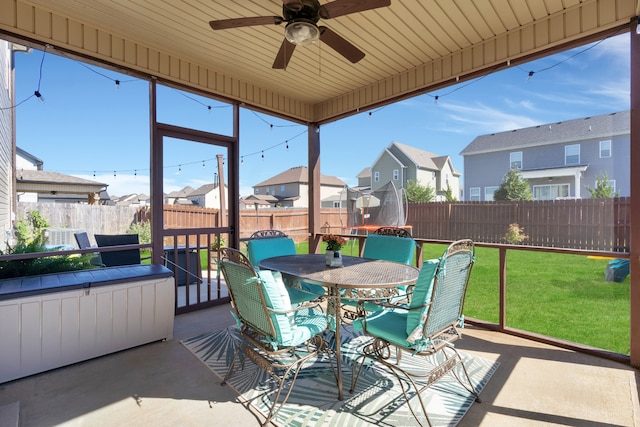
(207, 196)
(560, 160)
(400, 163)
(291, 187)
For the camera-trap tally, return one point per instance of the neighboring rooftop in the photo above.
(299, 174)
(602, 126)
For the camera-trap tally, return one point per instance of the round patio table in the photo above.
(358, 279)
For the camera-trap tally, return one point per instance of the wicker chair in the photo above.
(428, 326)
(269, 327)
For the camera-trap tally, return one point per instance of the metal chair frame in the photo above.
(258, 333)
(441, 329)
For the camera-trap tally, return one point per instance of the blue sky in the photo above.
(91, 127)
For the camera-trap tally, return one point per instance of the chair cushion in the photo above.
(388, 325)
(421, 294)
(390, 248)
(259, 249)
(277, 298)
(308, 322)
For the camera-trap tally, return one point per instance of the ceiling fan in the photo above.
(301, 17)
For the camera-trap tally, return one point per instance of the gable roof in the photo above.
(365, 173)
(42, 181)
(422, 159)
(184, 192)
(602, 126)
(299, 175)
(204, 190)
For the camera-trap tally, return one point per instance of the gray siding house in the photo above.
(560, 160)
(399, 163)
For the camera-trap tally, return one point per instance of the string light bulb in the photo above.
(39, 96)
(117, 84)
(287, 145)
(179, 170)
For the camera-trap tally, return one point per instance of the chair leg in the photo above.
(230, 368)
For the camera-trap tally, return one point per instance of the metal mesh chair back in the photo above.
(245, 291)
(449, 287)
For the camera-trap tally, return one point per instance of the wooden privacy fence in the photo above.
(591, 224)
(594, 224)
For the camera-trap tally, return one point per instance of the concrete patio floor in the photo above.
(163, 384)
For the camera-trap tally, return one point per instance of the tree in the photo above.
(419, 193)
(513, 187)
(448, 195)
(603, 189)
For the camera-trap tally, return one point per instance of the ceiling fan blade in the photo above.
(223, 24)
(344, 7)
(340, 45)
(284, 55)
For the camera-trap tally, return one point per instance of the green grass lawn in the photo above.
(558, 295)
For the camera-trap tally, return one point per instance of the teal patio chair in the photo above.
(269, 327)
(271, 243)
(389, 244)
(426, 328)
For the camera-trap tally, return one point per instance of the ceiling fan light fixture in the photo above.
(301, 32)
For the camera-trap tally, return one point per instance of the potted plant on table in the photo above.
(334, 245)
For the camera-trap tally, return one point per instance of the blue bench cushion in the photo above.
(20, 287)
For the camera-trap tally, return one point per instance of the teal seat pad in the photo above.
(390, 325)
(389, 248)
(259, 249)
(294, 327)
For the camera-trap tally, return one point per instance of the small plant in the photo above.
(334, 242)
(42, 265)
(515, 235)
(142, 229)
(31, 230)
(218, 242)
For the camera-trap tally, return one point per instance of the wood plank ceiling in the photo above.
(411, 47)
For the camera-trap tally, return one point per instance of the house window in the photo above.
(605, 148)
(336, 204)
(515, 160)
(610, 183)
(550, 192)
(488, 193)
(572, 154)
(446, 179)
(474, 194)
(396, 174)
(376, 176)
(267, 191)
(257, 191)
(282, 189)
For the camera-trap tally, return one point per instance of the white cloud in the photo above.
(485, 119)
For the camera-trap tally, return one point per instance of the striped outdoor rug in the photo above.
(378, 399)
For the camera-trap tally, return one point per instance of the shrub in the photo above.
(142, 229)
(515, 235)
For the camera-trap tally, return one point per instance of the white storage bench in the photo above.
(53, 320)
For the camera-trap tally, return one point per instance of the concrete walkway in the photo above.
(163, 384)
